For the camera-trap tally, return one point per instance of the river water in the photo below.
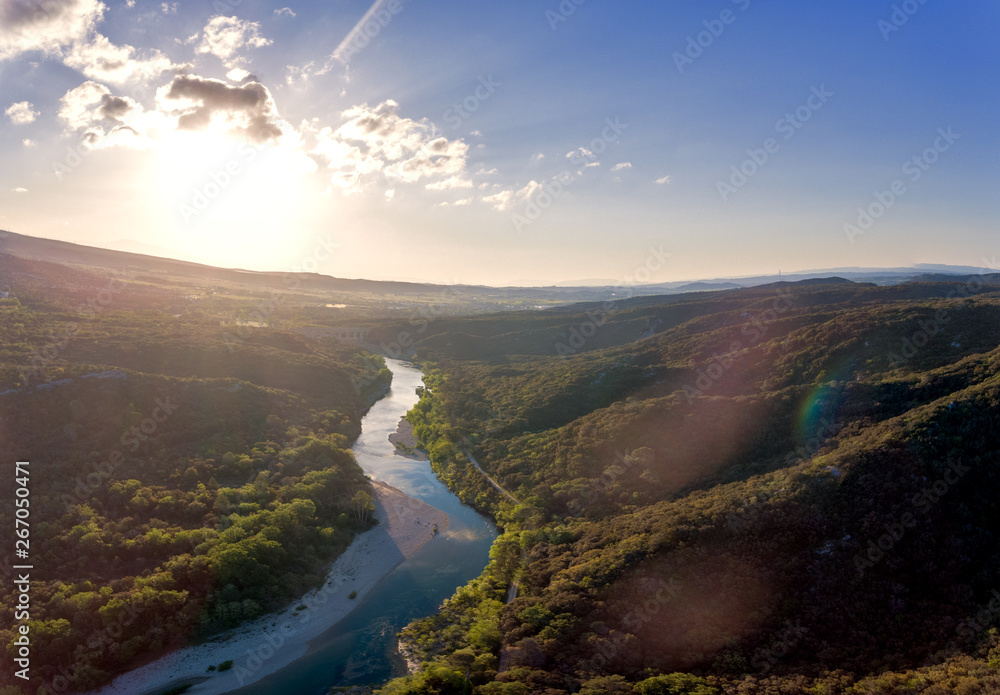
(361, 649)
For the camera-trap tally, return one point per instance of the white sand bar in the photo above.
(272, 642)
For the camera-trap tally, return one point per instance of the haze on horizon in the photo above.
(515, 144)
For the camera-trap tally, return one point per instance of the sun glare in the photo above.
(232, 203)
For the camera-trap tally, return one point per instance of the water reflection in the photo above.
(361, 649)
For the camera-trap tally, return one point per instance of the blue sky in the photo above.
(506, 143)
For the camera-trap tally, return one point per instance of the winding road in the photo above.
(468, 455)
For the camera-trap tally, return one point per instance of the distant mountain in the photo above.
(823, 281)
(587, 282)
(594, 290)
(992, 279)
(706, 286)
(132, 246)
(88, 256)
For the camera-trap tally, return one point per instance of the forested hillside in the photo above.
(789, 489)
(181, 481)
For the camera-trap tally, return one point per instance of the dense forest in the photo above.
(181, 482)
(786, 489)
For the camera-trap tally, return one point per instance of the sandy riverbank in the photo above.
(274, 641)
(405, 441)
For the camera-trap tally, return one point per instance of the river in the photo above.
(361, 649)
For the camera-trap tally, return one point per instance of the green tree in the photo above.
(675, 684)
(363, 505)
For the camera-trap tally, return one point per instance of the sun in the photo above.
(234, 203)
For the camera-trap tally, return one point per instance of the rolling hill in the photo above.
(785, 489)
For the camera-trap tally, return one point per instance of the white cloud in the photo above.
(65, 29)
(621, 165)
(168, 7)
(77, 104)
(438, 157)
(508, 199)
(296, 73)
(130, 4)
(382, 131)
(20, 190)
(499, 201)
(284, 12)
(457, 203)
(28, 142)
(538, 157)
(376, 143)
(45, 25)
(339, 155)
(224, 37)
(237, 74)
(662, 180)
(99, 59)
(452, 183)
(21, 113)
(187, 104)
(105, 119)
(581, 155)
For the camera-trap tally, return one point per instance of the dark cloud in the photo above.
(19, 14)
(249, 107)
(115, 108)
(45, 25)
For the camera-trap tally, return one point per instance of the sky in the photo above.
(506, 143)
